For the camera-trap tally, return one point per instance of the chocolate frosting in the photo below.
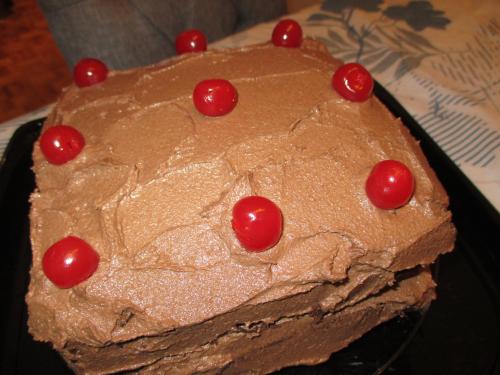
(153, 189)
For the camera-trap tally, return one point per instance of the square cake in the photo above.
(169, 281)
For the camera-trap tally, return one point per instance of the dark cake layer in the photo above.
(302, 329)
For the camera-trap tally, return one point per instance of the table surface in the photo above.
(439, 59)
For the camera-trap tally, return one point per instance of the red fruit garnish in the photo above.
(287, 33)
(215, 97)
(353, 82)
(69, 261)
(190, 41)
(390, 184)
(61, 143)
(257, 223)
(89, 71)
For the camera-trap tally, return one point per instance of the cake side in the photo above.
(311, 338)
(301, 329)
(153, 190)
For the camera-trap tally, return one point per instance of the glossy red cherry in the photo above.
(390, 184)
(215, 97)
(257, 223)
(89, 71)
(287, 33)
(61, 143)
(69, 261)
(353, 82)
(190, 41)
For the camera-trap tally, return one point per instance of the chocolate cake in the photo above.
(151, 191)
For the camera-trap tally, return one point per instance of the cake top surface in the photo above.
(153, 189)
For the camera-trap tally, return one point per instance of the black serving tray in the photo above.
(459, 334)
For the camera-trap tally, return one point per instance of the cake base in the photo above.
(258, 346)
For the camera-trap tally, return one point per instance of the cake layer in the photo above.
(153, 190)
(303, 329)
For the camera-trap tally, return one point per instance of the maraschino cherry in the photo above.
(190, 41)
(257, 223)
(215, 97)
(390, 184)
(89, 71)
(61, 143)
(287, 33)
(353, 82)
(69, 261)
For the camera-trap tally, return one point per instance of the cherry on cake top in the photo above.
(215, 97)
(69, 261)
(192, 40)
(287, 33)
(61, 143)
(89, 71)
(353, 82)
(390, 184)
(257, 223)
